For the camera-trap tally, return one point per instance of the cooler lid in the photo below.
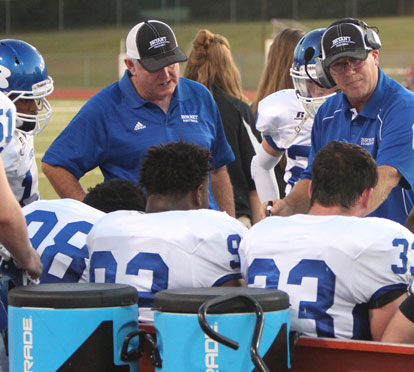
(188, 300)
(73, 295)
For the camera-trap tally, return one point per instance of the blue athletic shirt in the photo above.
(384, 127)
(117, 125)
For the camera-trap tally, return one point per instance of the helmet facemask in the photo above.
(309, 94)
(34, 123)
(26, 82)
(308, 88)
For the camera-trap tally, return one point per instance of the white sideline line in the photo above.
(397, 71)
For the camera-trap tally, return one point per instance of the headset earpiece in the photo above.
(371, 36)
(372, 39)
(323, 75)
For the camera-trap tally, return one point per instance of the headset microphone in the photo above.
(309, 52)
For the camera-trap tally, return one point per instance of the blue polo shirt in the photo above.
(384, 127)
(114, 128)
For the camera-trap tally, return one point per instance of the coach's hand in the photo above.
(281, 208)
(297, 201)
(266, 208)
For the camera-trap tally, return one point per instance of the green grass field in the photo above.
(89, 58)
(63, 112)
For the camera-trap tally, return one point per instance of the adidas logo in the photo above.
(139, 126)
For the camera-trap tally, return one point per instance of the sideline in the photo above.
(83, 94)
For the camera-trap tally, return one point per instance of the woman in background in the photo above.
(211, 63)
(276, 77)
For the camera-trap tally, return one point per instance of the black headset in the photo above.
(371, 38)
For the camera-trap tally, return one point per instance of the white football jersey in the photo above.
(7, 120)
(157, 251)
(57, 230)
(334, 268)
(21, 169)
(282, 121)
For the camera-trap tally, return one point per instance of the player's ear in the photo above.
(375, 55)
(310, 189)
(129, 63)
(366, 197)
(199, 196)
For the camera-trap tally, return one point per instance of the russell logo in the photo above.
(211, 351)
(28, 345)
(300, 115)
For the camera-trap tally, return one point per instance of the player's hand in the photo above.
(32, 265)
(281, 208)
(265, 209)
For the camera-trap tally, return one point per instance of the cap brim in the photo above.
(360, 54)
(155, 63)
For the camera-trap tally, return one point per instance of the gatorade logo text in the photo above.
(211, 350)
(28, 344)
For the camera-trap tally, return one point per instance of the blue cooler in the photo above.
(71, 327)
(225, 329)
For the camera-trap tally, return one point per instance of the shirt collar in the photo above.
(133, 98)
(373, 106)
(182, 93)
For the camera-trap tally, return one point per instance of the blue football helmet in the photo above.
(307, 90)
(23, 75)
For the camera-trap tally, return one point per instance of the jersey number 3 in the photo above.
(306, 268)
